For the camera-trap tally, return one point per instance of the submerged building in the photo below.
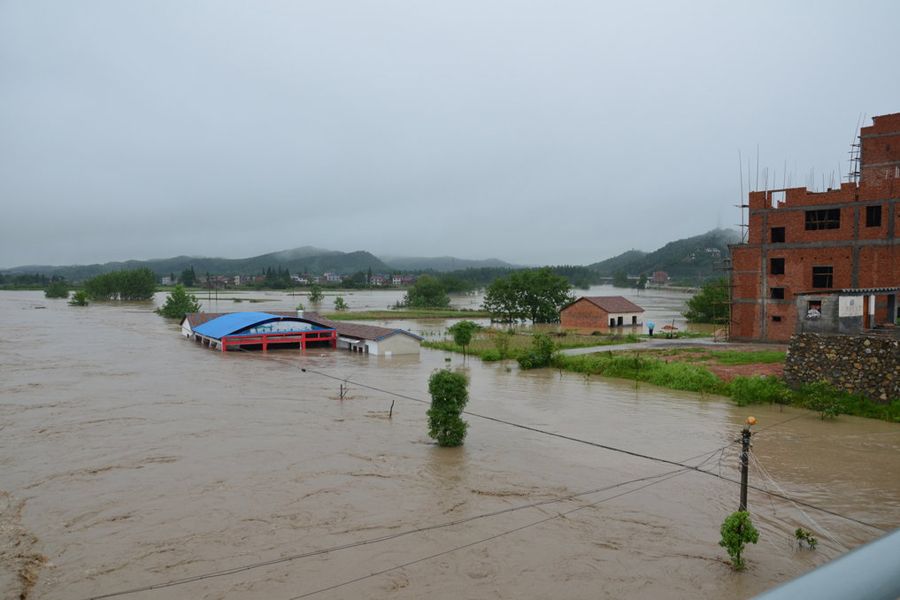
(823, 261)
(258, 330)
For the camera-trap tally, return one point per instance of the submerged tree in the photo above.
(339, 304)
(315, 294)
(178, 304)
(79, 298)
(737, 531)
(536, 295)
(427, 292)
(57, 289)
(462, 333)
(449, 395)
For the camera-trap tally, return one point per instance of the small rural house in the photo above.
(600, 313)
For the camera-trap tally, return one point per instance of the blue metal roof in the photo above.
(233, 323)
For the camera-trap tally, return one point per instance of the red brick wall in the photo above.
(878, 264)
(583, 314)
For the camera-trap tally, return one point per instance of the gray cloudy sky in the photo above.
(540, 132)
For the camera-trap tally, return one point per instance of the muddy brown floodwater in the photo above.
(130, 458)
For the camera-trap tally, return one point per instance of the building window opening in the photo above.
(776, 318)
(778, 235)
(822, 277)
(814, 309)
(776, 266)
(776, 198)
(777, 293)
(829, 218)
(873, 216)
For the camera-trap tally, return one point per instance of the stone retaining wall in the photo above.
(859, 364)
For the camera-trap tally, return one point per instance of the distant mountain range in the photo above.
(306, 259)
(692, 259)
(695, 258)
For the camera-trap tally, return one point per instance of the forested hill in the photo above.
(691, 259)
(298, 260)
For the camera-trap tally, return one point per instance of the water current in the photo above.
(130, 458)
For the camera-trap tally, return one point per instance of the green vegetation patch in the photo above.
(748, 357)
(495, 344)
(674, 375)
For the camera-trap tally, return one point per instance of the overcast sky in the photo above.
(536, 132)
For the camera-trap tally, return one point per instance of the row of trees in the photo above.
(136, 284)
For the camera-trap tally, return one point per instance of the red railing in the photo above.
(286, 337)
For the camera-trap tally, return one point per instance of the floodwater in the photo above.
(130, 458)
(661, 306)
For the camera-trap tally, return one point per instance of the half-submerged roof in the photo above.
(611, 304)
(233, 323)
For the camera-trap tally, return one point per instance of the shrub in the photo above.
(805, 536)
(339, 304)
(490, 355)
(449, 395)
(79, 298)
(758, 389)
(57, 289)
(822, 398)
(541, 353)
(737, 530)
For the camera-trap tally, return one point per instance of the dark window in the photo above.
(777, 293)
(829, 218)
(776, 318)
(823, 277)
(778, 235)
(776, 266)
(873, 216)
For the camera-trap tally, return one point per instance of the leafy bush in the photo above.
(737, 530)
(490, 355)
(79, 298)
(541, 353)
(57, 289)
(805, 536)
(449, 395)
(823, 398)
(178, 304)
(758, 389)
(339, 304)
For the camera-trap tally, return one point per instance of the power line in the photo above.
(602, 446)
(483, 540)
(370, 541)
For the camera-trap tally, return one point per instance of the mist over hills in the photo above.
(696, 258)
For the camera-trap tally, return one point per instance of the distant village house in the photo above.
(600, 313)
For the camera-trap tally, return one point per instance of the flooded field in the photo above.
(132, 459)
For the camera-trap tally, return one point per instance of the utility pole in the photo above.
(745, 460)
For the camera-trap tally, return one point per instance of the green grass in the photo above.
(484, 344)
(425, 313)
(748, 357)
(820, 397)
(674, 375)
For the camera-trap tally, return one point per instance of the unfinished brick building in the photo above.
(831, 253)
